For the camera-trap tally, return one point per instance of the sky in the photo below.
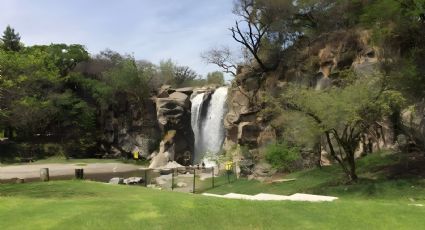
(150, 30)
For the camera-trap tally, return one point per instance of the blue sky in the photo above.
(149, 29)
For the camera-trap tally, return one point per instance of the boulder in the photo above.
(181, 185)
(116, 180)
(263, 169)
(133, 180)
(160, 160)
(164, 155)
(187, 90)
(172, 165)
(246, 167)
(163, 94)
(181, 98)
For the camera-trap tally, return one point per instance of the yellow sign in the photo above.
(229, 165)
(136, 155)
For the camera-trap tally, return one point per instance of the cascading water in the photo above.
(207, 122)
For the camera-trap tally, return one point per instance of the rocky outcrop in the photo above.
(314, 64)
(130, 128)
(174, 119)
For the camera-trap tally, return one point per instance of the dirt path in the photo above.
(32, 171)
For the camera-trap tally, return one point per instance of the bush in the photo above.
(281, 156)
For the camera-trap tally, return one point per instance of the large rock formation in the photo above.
(173, 113)
(315, 65)
(129, 128)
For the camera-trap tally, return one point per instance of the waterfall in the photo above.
(207, 122)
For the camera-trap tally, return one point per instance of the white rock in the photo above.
(181, 184)
(116, 180)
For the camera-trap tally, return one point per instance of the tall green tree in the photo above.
(11, 40)
(340, 115)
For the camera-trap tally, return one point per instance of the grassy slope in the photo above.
(373, 183)
(90, 205)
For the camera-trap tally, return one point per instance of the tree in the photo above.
(182, 75)
(223, 58)
(126, 78)
(252, 38)
(11, 40)
(216, 77)
(340, 115)
(166, 71)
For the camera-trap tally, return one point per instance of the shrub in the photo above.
(281, 156)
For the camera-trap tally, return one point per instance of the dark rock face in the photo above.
(128, 129)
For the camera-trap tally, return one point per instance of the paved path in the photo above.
(31, 171)
(270, 197)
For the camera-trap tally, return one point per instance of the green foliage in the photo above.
(183, 75)
(216, 77)
(73, 112)
(11, 40)
(341, 115)
(126, 78)
(281, 156)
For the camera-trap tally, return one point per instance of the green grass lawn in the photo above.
(90, 205)
(375, 202)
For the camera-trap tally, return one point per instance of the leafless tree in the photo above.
(250, 30)
(221, 57)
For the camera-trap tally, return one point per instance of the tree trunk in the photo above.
(333, 153)
(352, 165)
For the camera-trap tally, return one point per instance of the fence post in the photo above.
(79, 174)
(44, 174)
(212, 176)
(194, 176)
(172, 179)
(146, 177)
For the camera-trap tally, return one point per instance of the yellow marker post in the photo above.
(228, 166)
(136, 155)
